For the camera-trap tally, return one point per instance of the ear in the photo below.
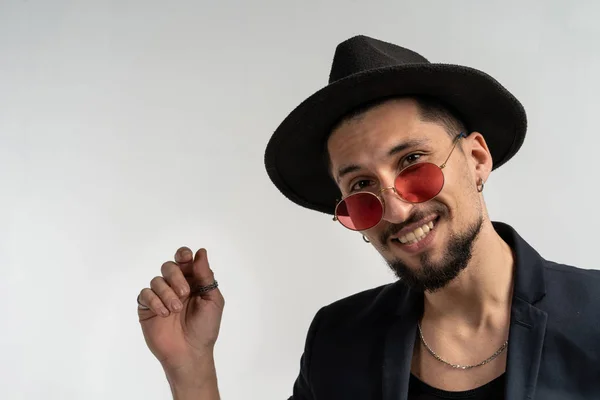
(479, 155)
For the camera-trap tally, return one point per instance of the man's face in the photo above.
(440, 232)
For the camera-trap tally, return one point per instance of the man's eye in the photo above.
(410, 159)
(359, 185)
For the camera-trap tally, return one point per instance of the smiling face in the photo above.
(426, 244)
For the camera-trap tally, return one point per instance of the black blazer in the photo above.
(361, 347)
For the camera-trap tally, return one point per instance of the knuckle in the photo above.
(156, 281)
(163, 292)
(172, 270)
(162, 289)
(144, 296)
(167, 267)
(173, 275)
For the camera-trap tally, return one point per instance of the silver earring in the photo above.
(365, 239)
(480, 185)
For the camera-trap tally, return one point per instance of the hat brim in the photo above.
(294, 155)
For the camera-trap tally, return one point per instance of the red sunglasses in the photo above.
(416, 183)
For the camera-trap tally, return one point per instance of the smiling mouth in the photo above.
(418, 234)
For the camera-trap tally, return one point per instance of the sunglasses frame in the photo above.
(382, 201)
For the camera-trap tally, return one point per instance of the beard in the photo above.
(434, 275)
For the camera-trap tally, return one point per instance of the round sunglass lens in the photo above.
(359, 211)
(420, 182)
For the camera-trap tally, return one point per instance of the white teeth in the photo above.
(417, 234)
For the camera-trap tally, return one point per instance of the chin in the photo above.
(437, 262)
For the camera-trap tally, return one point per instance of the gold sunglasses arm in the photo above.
(456, 139)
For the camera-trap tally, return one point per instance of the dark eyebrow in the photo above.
(399, 148)
(407, 145)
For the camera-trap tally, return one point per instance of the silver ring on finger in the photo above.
(198, 289)
(140, 305)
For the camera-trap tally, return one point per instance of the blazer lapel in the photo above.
(528, 323)
(398, 346)
(526, 339)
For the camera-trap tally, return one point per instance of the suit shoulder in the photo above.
(368, 303)
(572, 302)
(572, 274)
(571, 288)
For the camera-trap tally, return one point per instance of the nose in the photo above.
(395, 209)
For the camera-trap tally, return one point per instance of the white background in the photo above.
(130, 128)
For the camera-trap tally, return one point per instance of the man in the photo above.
(399, 150)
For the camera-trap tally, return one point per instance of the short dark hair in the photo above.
(430, 108)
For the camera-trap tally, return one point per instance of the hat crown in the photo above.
(362, 53)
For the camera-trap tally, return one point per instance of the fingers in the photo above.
(166, 294)
(160, 298)
(174, 276)
(178, 280)
(149, 299)
(184, 257)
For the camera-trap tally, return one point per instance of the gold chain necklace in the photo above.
(457, 366)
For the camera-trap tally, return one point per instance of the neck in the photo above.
(481, 295)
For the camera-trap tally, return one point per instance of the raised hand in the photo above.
(181, 325)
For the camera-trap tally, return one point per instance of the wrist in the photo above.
(201, 386)
(196, 374)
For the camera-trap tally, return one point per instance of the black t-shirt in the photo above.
(419, 390)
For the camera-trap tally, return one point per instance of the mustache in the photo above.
(416, 216)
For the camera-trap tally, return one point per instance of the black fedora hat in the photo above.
(366, 70)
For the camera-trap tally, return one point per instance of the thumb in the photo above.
(203, 275)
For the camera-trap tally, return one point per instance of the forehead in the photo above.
(372, 134)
